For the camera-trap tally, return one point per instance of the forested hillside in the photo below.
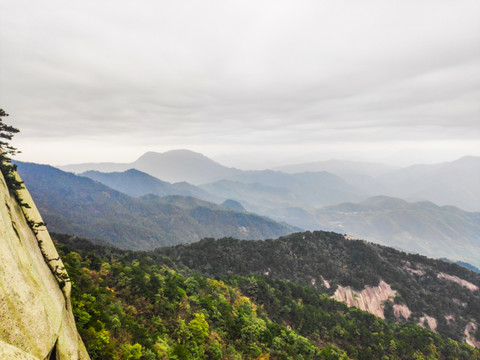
(132, 305)
(420, 288)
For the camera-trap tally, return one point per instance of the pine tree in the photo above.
(6, 151)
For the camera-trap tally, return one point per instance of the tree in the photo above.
(6, 151)
(198, 328)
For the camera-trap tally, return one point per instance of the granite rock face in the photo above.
(36, 320)
(370, 299)
(459, 281)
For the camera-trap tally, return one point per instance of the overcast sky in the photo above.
(244, 82)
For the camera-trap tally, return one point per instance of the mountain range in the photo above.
(449, 183)
(78, 205)
(343, 168)
(275, 190)
(136, 183)
(348, 199)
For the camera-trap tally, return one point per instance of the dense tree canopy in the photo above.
(142, 305)
(312, 256)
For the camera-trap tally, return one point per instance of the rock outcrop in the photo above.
(370, 299)
(36, 320)
(456, 279)
(428, 322)
(401, 310)
(469, 329)
(414, 271)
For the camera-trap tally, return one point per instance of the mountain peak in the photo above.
(180, 153)
(182, 165)
(384, 202)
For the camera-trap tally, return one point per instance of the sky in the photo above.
(250, 84)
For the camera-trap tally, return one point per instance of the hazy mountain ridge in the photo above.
(172, 166)
(79, 205)
(299, 199)
(233, 205)
(285, 197)
(136, 183)
(314, 189)
(463, 264)
(342, 168)
(420, 227)
(449, 183)
(307, 188)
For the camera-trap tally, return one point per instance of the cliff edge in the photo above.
(36, 319)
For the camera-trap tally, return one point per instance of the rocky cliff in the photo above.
(370, 299)
(36, 320)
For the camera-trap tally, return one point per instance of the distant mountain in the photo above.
(277, 203)
(78, 205)
(183, 165)
(290, 198)
(468, 266)
(106, 167)
(171, 166)
(342, 168)
(330, 182)
(450, 183)
(254, 196)
(233, 205)
(303, 217)
(136, 183)
(463, 264)
(420, 227)
(280, 189)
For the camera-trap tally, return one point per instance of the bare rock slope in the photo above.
(36, 320)
(370, 299)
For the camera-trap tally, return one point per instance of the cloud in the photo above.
(215, 75)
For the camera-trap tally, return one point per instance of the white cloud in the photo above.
(224, 77)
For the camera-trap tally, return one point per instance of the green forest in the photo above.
(302, 257)
(148, 305)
